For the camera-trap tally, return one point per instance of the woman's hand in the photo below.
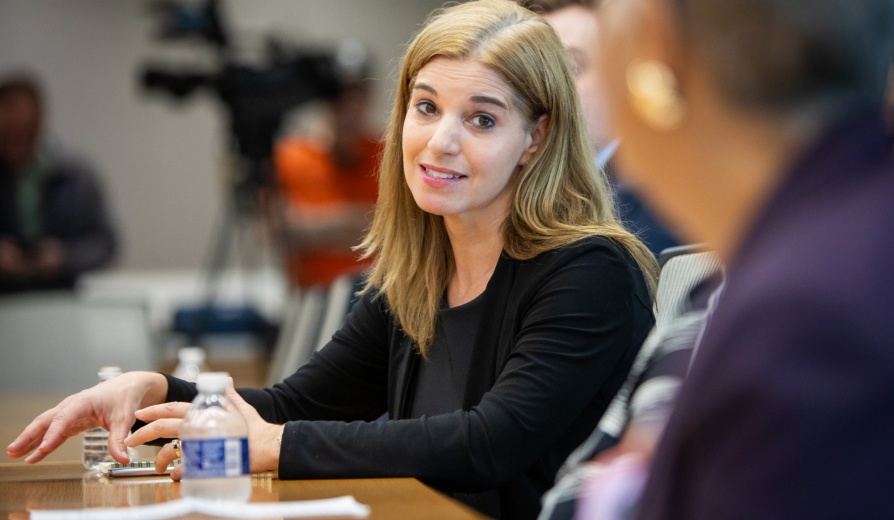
(110, 404)
(263, 443)
(164, 421)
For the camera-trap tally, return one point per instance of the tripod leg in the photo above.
(217, 257)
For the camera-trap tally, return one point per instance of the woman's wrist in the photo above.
(269, 449)
(155, 386)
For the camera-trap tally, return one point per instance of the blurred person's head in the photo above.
(20, 120)
(575, 23)
(555, 195)
(353, 65)
(713, 98)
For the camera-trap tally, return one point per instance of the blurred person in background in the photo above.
(327, 183)
(627, 434)
(54, 222)
(758, 128)
(578, 28)
(608, 468)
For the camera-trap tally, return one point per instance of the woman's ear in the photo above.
(535, 139)
(661, 38)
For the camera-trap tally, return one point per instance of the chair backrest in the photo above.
(291, 313)
(338, 303)
(681, 269)
(312, 316)
(55, 343)
(298, 334)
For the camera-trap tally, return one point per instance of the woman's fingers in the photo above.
(110, 404)
(159, 429)
(177, 473)
(51, 428)
(166, 455)
(119, 429)
(163, 422)
(249, 413)
(262, 436)
(60, 430)
(163, 411)
(31, 436)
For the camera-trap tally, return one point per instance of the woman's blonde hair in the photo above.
(559, 196)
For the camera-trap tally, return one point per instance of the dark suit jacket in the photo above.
(73, 210)
(788, 411)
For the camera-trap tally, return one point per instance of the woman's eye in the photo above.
(426, 107)
(483, 121)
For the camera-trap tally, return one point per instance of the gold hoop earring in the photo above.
(654, 94)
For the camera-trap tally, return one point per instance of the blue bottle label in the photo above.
(215, 458)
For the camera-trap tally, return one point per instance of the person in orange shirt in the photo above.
(328, 186)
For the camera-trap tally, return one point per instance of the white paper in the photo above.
(341, 506)
(150, 512)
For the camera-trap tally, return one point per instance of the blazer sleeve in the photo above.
(575, 326)
(346, 380)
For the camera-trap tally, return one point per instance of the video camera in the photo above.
(255, 97)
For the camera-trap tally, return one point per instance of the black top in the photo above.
(440, 380)
(553, 343)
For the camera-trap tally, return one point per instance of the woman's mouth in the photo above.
(438, 173)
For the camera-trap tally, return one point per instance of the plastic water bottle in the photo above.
(190, 363)
(95, 447)
(214, 440)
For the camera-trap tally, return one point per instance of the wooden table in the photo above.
(66, 485)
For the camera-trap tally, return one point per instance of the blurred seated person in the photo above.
(328, 185)
(577, 26)
(782, 163)
(607, 472)
(54, 223)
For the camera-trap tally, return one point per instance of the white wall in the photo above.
(161, 161)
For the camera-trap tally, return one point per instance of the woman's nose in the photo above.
(446, 137)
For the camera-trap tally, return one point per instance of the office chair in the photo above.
(681, 268)
(338, 303)
(309, 323)
(54, 343)
(301, 322)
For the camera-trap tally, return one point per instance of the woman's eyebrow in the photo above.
(423, 86)
(490, 100)
(475, 99)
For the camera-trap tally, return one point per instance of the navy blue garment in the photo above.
(637, 219)
(635, 216)
(787, 411)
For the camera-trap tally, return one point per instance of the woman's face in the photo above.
(577, 28)
(464, 140)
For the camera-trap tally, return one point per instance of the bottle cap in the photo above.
(106, 373)
(192, 355)
(213, 381)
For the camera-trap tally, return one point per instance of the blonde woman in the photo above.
(503, 309)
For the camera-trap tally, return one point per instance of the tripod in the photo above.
(237, 212)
